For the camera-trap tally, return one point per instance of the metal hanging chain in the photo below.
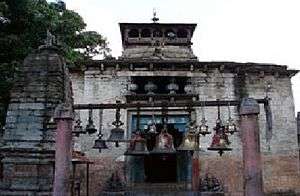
(100, 122)
(90, 116)
(219, 113)
(189, 110)
(153, 116)
(118, 122)
(138, 117)
(164, 115)
(229, 112)
(202, 111)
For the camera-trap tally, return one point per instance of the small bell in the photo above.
(78, 128)
(90, 127)
(152, 125)
(100, 143)
(164, 143)
(152, 129)
(203, 128)
(230, 126)
(137, 146)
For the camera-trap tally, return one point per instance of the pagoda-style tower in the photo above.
(157, 41)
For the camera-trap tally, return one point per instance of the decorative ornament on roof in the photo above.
(49, 42)
(50, 39)
(155, 19)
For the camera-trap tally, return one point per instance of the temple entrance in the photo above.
(162, 168)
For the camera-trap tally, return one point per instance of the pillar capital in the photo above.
(64, 111)
(249, 106)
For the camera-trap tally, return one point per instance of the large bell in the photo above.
(116, 135)
(100, 144)
(164, 143)
(137, 146)
(220, 141)
(190, 142)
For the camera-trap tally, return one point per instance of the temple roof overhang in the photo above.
(190, 66)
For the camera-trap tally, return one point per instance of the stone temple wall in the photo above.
(29, 138)
(280, 154)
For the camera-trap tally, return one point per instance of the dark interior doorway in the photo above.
(162, 168)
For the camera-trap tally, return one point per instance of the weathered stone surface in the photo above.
(92, 86)
(28, 148)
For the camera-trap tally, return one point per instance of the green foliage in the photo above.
(26, 31)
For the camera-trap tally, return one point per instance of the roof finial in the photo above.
(154, 19)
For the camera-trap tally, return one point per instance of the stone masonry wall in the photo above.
(29, 138)
(280, 155)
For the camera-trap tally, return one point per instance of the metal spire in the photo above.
(154, 19)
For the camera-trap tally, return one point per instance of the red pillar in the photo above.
(63, 150)
(249, 111)
(196, 172)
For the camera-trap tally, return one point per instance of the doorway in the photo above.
(162, 168)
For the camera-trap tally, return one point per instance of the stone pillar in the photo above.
(196, 171)
(298, 133)
(63, 150)
(29, 138)
(253, 180)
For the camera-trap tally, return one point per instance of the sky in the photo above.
(261, 31)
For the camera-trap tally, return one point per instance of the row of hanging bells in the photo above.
(116, 136)
(164, 141)
(191, 141)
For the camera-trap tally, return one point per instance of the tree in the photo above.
(23, 27)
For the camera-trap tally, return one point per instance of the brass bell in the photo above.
(78, 129)
(90, 127)
(220, 141)
(137, 146)
(230, 126)
(116, 135)
(100, 143)
(190, 142)
(203, 128)
(164, 143)
(152, 125)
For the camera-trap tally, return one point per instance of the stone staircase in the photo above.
(165, 189)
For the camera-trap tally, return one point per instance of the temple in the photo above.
(155, 121)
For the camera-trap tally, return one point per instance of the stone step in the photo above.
(162, 193)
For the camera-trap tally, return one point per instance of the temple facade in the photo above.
(161, 54)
